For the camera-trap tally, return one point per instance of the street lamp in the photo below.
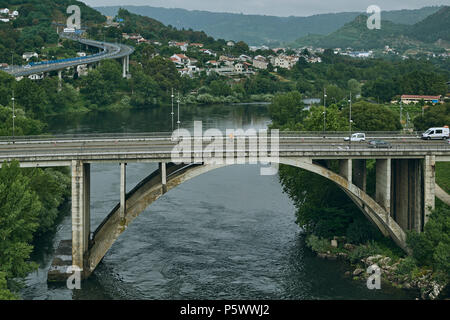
(350, 120)
(178, 100)
(13, 116)
(172, 108)
(325, 110)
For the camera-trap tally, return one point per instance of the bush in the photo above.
(318, 244)
(406, 266)
(361, 231)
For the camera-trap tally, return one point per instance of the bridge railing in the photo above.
(143, 135)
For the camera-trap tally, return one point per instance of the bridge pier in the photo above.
(80, 214)
(123, 190)
(383, 184)
(345, 169)
(59, 80)
(359, 174)
(429, 185)
(125, 66)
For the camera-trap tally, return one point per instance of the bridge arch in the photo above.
(151, 188)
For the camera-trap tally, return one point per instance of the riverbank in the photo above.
(397, 270)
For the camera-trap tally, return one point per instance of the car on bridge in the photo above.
(356, 137)
(379, 144)
(436, 133)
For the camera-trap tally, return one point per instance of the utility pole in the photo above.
(325, 110)
(13, 116)
(172, 96)
(401, 110)
(178, 100)
(350, 121)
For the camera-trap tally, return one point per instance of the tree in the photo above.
(373, 117)
(286, 111)
(432, 247)
(19, 209)
(434, 116)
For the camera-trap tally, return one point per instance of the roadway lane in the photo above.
(165, 145)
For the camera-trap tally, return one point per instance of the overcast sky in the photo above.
(275, 7)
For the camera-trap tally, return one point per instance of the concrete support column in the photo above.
(59, 80)
(124, 67)
(80, 212)
(345, 169)
(429, 180)
(123, 190)
(360, 173)
(407, 194)
(163, 172)
(383, 184)
(128, 64)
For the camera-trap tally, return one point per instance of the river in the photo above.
(228, 234)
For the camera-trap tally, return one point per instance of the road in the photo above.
(157, 145)
(110, 51)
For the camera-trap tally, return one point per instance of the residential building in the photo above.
(407, 99)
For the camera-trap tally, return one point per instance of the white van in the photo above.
(357, 137)
(436, 133)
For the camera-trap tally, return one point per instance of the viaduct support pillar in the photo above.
(429, 186)
(123, 190)
(345, 169)
(80, 213)
(124, 67)
(383, 184)
(360, 173)
(59, 80)
(163, 172)
(408, 194)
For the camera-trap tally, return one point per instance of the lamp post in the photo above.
(178, 101)
(401, 110)
(13, 117)
(325, 110)
(172, 108)
(350, 120)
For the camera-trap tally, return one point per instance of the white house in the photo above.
(260, 62)
(4, 11)
(36, 76)
(28, 55)
(239, 67)
(4, 20)
(180, 59)
(230, 44)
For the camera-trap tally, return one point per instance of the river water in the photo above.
(228, 234)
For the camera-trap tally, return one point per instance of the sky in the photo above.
(275, 7)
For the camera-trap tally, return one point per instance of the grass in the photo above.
(443, 175)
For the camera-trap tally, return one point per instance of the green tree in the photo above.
(287, 111)
(19, 210)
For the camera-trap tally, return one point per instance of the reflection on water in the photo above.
(227, 234)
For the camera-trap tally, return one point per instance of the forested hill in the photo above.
(33, 27)
(152, 29)
(434, 27)
(356, 35)
(258, 29)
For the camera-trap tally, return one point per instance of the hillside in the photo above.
(33, 27)
(434, 27)
(356, 35)
(258, 29)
